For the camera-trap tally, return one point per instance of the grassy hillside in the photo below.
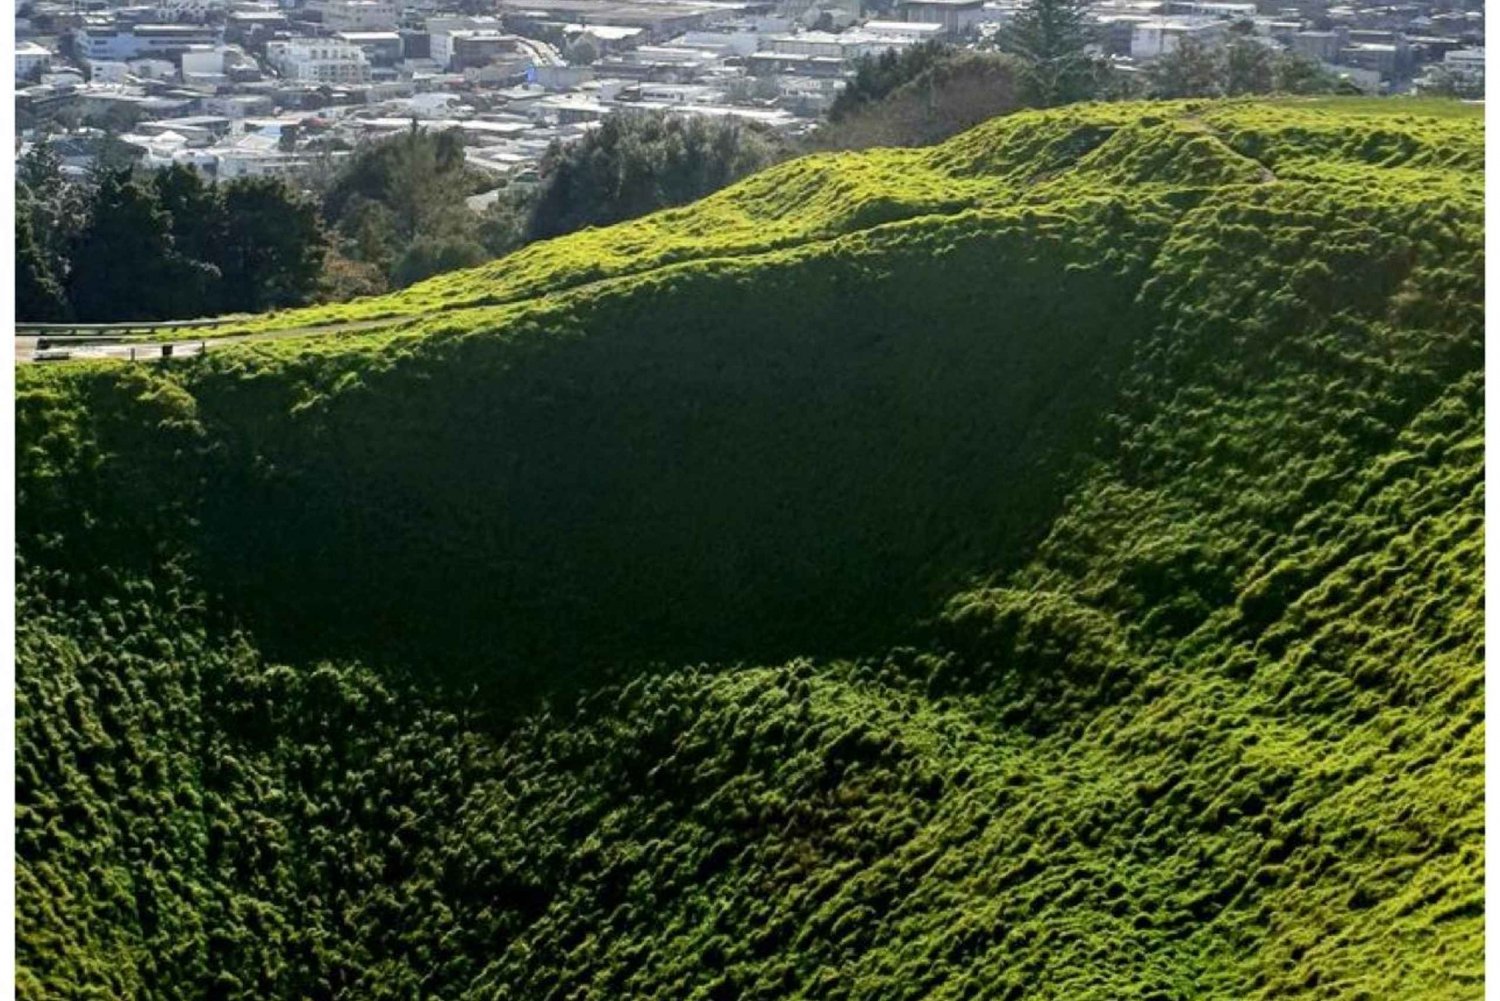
(1042, 565)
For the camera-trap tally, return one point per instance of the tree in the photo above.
(1050, 37)
(409, 172)
(40, 167)
(581, 53)
(1292, 73)
(273, 246)
(39, 295)
(56, 209)
(193, 206)
(877, 76)
(1441, 81)
(1242, 66)
(124, 265)
(502, 226)
(635, 163)
(399, 190)
(344, 279)
(1191, 69)
(956, 94)
(425, 184)
(428, 256)
(1248, 67)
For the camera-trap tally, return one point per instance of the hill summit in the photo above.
(1047, 564)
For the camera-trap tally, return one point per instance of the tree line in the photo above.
(127, 244)
(163, 245)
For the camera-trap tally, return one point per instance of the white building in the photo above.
(440, 32)
(31, 60)
(203, 62)
(114, 43)
(255, 154)
(911, 31)
(853, 44)
(319, 60)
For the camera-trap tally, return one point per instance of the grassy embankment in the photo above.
(1046, 565)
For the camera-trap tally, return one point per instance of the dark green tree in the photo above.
(40, 167)
(273, 246)
(56, 208)
(1249, 67)
(581, 53)
(1191, 69)
(877, 76)
(953, 95)
(428, 256)
(1241, 66)
(1292, 73)
(636, 163)
(124, 265)
(399, 190)
(39, 295)
(1051, 37)
(197, 217)
(399, 171)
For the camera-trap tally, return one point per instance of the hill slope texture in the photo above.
(1044, 565)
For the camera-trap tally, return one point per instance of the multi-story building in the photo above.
(440, 31)
(32, 60)
(476, 47)
(319, 60)
(117, 42)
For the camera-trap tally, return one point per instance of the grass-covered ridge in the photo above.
(1028, 158)
(1096, 497)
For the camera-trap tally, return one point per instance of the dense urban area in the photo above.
(254, 87)
(250, 154)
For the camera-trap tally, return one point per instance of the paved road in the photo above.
(75, 351)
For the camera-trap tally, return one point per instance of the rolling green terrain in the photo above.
(1044, 565)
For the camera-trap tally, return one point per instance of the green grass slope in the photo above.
(1044, 565)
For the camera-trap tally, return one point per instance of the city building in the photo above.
(955, 16)
(117, 42)
(32, 60)
(319, 60)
